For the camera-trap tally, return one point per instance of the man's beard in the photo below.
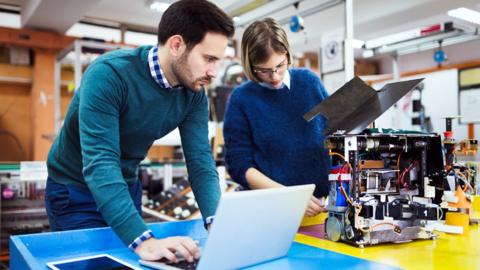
(183, 74)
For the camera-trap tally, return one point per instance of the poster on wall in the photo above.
(332, 51)
(469, 95)
(333, 81)
(469, 106)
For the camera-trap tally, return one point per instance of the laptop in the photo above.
(250, 227)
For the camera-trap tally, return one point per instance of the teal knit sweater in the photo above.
(115, 116)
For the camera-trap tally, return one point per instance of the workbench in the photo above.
(307, 252)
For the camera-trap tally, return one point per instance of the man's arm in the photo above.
(101, 100)
(198, 155)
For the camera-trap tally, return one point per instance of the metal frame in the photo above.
(76, 47)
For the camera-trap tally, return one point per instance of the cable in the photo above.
(407, 170)
(17, 141)
(384, 223)
(462, 177)
(337, 154)
(343, 157)
(344, 193)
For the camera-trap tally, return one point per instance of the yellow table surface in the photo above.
(446, 252)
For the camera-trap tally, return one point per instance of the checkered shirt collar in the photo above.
(155, 70)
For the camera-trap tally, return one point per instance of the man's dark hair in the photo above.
(192, 19)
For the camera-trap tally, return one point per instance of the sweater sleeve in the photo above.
(101, 99)
(239, 145)
(318, 85)
(202, 173)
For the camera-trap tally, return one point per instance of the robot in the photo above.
(385, 185)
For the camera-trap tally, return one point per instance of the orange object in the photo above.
(471, 131)
(458, 219)
(463, 202)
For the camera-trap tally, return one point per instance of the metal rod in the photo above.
(349, 54)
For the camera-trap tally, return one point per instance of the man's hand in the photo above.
(155, 249)
(315, 207)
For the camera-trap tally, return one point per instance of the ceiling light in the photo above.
(390, 39)
(465, 14)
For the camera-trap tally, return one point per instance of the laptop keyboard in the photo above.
(184, 264)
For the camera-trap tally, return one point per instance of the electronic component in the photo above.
(384, 184)
(372, 188)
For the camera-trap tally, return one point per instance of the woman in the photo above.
(268, 143)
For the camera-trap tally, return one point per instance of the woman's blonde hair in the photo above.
(260, 40)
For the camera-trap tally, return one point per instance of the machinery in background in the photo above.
(461, 181)
(22, 204)
(420, 118)
(169, 196)
(176, 202)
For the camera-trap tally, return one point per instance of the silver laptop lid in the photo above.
(251, 227)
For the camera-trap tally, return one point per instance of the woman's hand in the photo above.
(315, 207)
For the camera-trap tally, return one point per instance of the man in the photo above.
(127, 99)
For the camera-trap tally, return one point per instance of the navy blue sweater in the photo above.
(264, 129)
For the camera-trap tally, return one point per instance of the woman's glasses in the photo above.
(266, 72)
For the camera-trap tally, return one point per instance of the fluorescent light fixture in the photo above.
(357, 44)
(390, 39)
(417, 42)
(465, 14)
(159, 6)
(434, 45)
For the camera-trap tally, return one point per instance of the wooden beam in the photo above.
(15, 74)
(34, 39)
(42, 102)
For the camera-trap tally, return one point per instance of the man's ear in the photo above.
(176, 45)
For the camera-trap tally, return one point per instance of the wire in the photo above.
(356, 218)
(407, 170)
(383, 223)
(337, 154)
(343, 157)
(462, 177)
(357, 213)
(344, 193)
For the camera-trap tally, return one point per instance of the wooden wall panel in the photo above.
(15, 118)
(160, 152)
(42, 102)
